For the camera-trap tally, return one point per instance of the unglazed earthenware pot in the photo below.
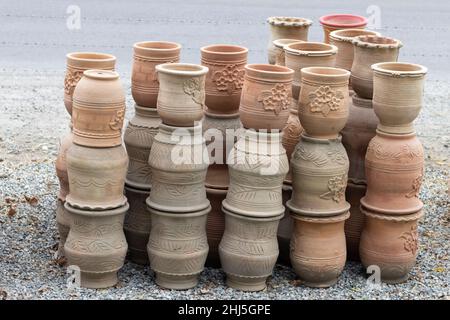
(215, 225)
(285, 228)
(394, 172)
(333, 22)
(307, 54)
(179, 161)
(181, 96)
(286, 28)
(369, 50)
(63, 224)
(147, 55)
(318, 251)
(96, 177)
(225, 78)
(178, 247)
(61, 165)
(98, 109)
(391, 243)
(279, 50)
(324, 101)
(77, 63)
(257, 167)
(97, 245)
(248, 250)
(319, 177)
(266, 96)
(397, 95)
(354, 225)
(291, 135)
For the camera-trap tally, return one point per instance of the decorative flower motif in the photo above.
(71, 80)
(417, 182)
(336, 187)
(193, 88)
(324, 100)
(229, 79)
(117, 123)
(276, 99)
(411, 238)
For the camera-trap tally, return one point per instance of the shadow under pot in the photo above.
(334, 22)
(147, 55)
(215, 225)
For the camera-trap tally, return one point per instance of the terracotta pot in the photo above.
(77, 63)
(394, 172)
(391, 243)
(248, 250)
(301, 55)
(61, 165)
(257, 159)
(266, 96)
(96, 177)
(398, 95)
(278, 45)
(367, 51)
(147, 55)
(291, 135)
(286, 28)
(318, 250)
(354, 225)
(63, 224)
(285, 228)
(97, 245)
(333, 22)
(319, 177)
(98, 109)
(324, 101)
(138, 139)
(137, 225)
(215, 225)
(181, 96)
(179, 161)
(225, 77)
(178, 247)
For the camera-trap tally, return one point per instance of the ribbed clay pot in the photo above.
(369, 50)
(285, 228)
(319, 177)
(137, 225)
(286, 28)
(278, 45)
(138, 139)
(178, 247)
(391, 243)
(61, 165)
(98, 109)
(215, 225)
(266, 96)
(291, 135)
(397, 95)
(63, 224)
(147, 55)
(96, 177)
(97, 245)
(394, 172)
(301, 55)
(334, 22)
(257, 167)
(179, 161)
(248, 250)
(225, 78)
(324, 101)
(77, 63)
(354, 225)
(318, 251)
(181, 96)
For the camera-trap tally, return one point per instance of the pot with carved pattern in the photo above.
(333, 22)
(279, 44)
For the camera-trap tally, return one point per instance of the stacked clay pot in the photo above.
(334, 22)
(177, 247)
(96, 166)
(394, 168)
(320, 167)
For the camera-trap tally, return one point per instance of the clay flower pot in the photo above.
(319, 177)
(248, 250)
(285, 228)
(394, 172)
(398, 95)
(215, 225)
(77, 63)
(138, 139)
(96, 177)
(225, 78)
(97, 245)
(179, 161)
(63, 225)
(257, 159)
(279, 50)
(301, 55)
(98, 109)
(61, 166)
(354, 225)
(181, 96)
(391, 243)
(177, 247)
(147, 55)
(291, 135)
(286, 28)
(369, 50)
(333, 22)
(137, 225)
(324, 99)
(318, 251)
(266, 96)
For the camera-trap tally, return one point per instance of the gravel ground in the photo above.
(32, 118)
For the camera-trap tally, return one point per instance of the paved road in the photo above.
(34, 33)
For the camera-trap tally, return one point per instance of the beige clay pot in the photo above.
(280, 59)
(61, 166)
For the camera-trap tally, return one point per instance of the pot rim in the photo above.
(268, 69)
(209, 49)
(280, 43)
(360, 21)
(97, 213)
(320, 71)
(395, 218)
(93, 56)
(363, 41)
(394, 69)
(140, 45)
(338, 34)
(171, 68)
(99, 74)
(304, 136)
(216, 191)
(180, 214)
(319, 219)
(332, 49)
(252, 218)
(289, 21)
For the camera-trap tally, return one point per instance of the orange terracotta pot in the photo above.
(334, 22)
(215, 225)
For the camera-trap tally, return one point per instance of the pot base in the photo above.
(246, 283)
(98, 280)
(176, 282)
